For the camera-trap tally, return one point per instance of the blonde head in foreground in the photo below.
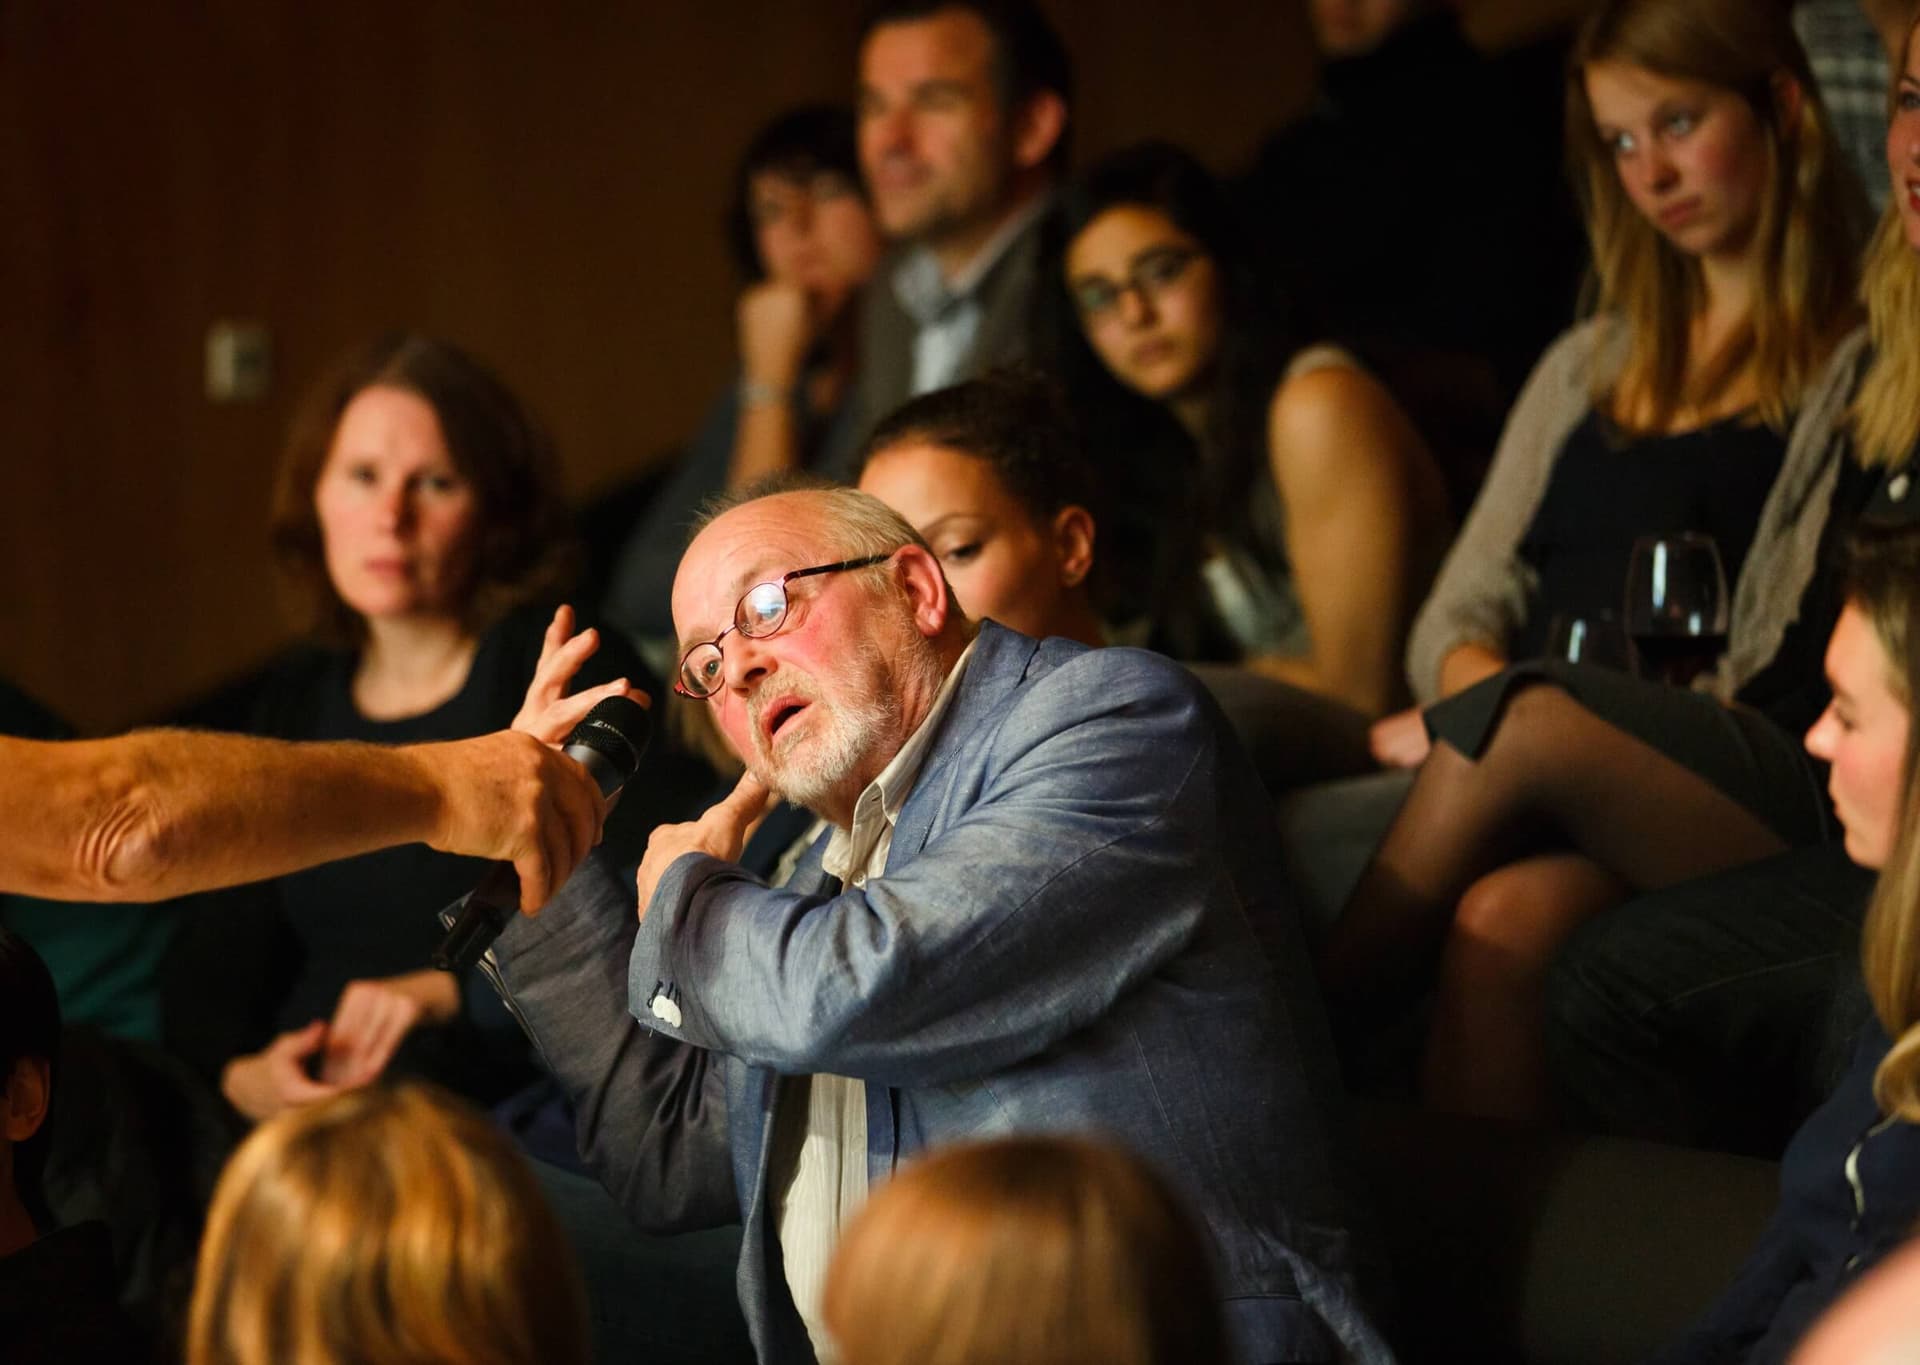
(1025, 1251)
(385, 1226)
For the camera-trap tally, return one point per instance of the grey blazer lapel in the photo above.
(998, 666)
(1009, 303)
(885, 380)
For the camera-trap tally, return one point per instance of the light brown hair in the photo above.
(1884, 586)
(1886, 417)
(524, 549)
(1025, 1251)
(1810, 220)
(384, 1226)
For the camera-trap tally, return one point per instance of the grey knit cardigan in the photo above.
(1483, 588)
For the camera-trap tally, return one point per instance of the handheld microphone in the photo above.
(608, 743)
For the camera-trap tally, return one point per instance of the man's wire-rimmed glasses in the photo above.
(760, 612)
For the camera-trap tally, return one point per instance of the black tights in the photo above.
(1554, 777)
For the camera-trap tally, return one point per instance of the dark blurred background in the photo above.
(541, 184)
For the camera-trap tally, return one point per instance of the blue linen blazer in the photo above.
(1079, 929)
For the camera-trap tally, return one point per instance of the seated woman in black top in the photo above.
(418, 521)
(1707, 1012)
(1706, 396)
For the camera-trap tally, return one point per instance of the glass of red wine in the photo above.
(1676, 605)
(1595, 638)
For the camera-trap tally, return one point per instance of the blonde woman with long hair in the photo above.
(1705, 1014)
(1850, 1180)
(1886, 415)
(391, 1225)
(1707, 394)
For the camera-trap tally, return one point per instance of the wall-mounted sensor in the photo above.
(239, 362)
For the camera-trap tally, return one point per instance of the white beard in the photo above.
(843, 733)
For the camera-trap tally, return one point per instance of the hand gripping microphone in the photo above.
(608, 744)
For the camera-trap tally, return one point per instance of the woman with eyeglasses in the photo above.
(1321, 513)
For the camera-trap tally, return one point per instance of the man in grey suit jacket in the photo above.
(1046, 903)
(963, 119)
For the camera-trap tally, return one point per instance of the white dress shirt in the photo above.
(819, 1160)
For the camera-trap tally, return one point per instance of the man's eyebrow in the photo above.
(746, 578)
(942, 85)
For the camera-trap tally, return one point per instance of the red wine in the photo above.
(1676, 658)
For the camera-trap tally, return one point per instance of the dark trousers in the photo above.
(1716, 1013)
(649, 1297)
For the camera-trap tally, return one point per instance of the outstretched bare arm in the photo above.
(159, 813)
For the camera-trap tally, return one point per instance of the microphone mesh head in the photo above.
(617, 728)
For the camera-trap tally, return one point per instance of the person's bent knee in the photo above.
(1492, 913)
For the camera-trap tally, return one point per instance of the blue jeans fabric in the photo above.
(1715, 1013)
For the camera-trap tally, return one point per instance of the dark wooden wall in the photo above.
(540, 183)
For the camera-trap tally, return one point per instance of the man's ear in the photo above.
(918, 573)
(1073, 543)
(1038, 128)
(29, 1093)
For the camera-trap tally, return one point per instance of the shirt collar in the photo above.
(897, 778)
(879, 805)
(926, 293)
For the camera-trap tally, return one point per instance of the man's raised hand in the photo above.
(548, 713)
(513, 796)
(720, 833)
